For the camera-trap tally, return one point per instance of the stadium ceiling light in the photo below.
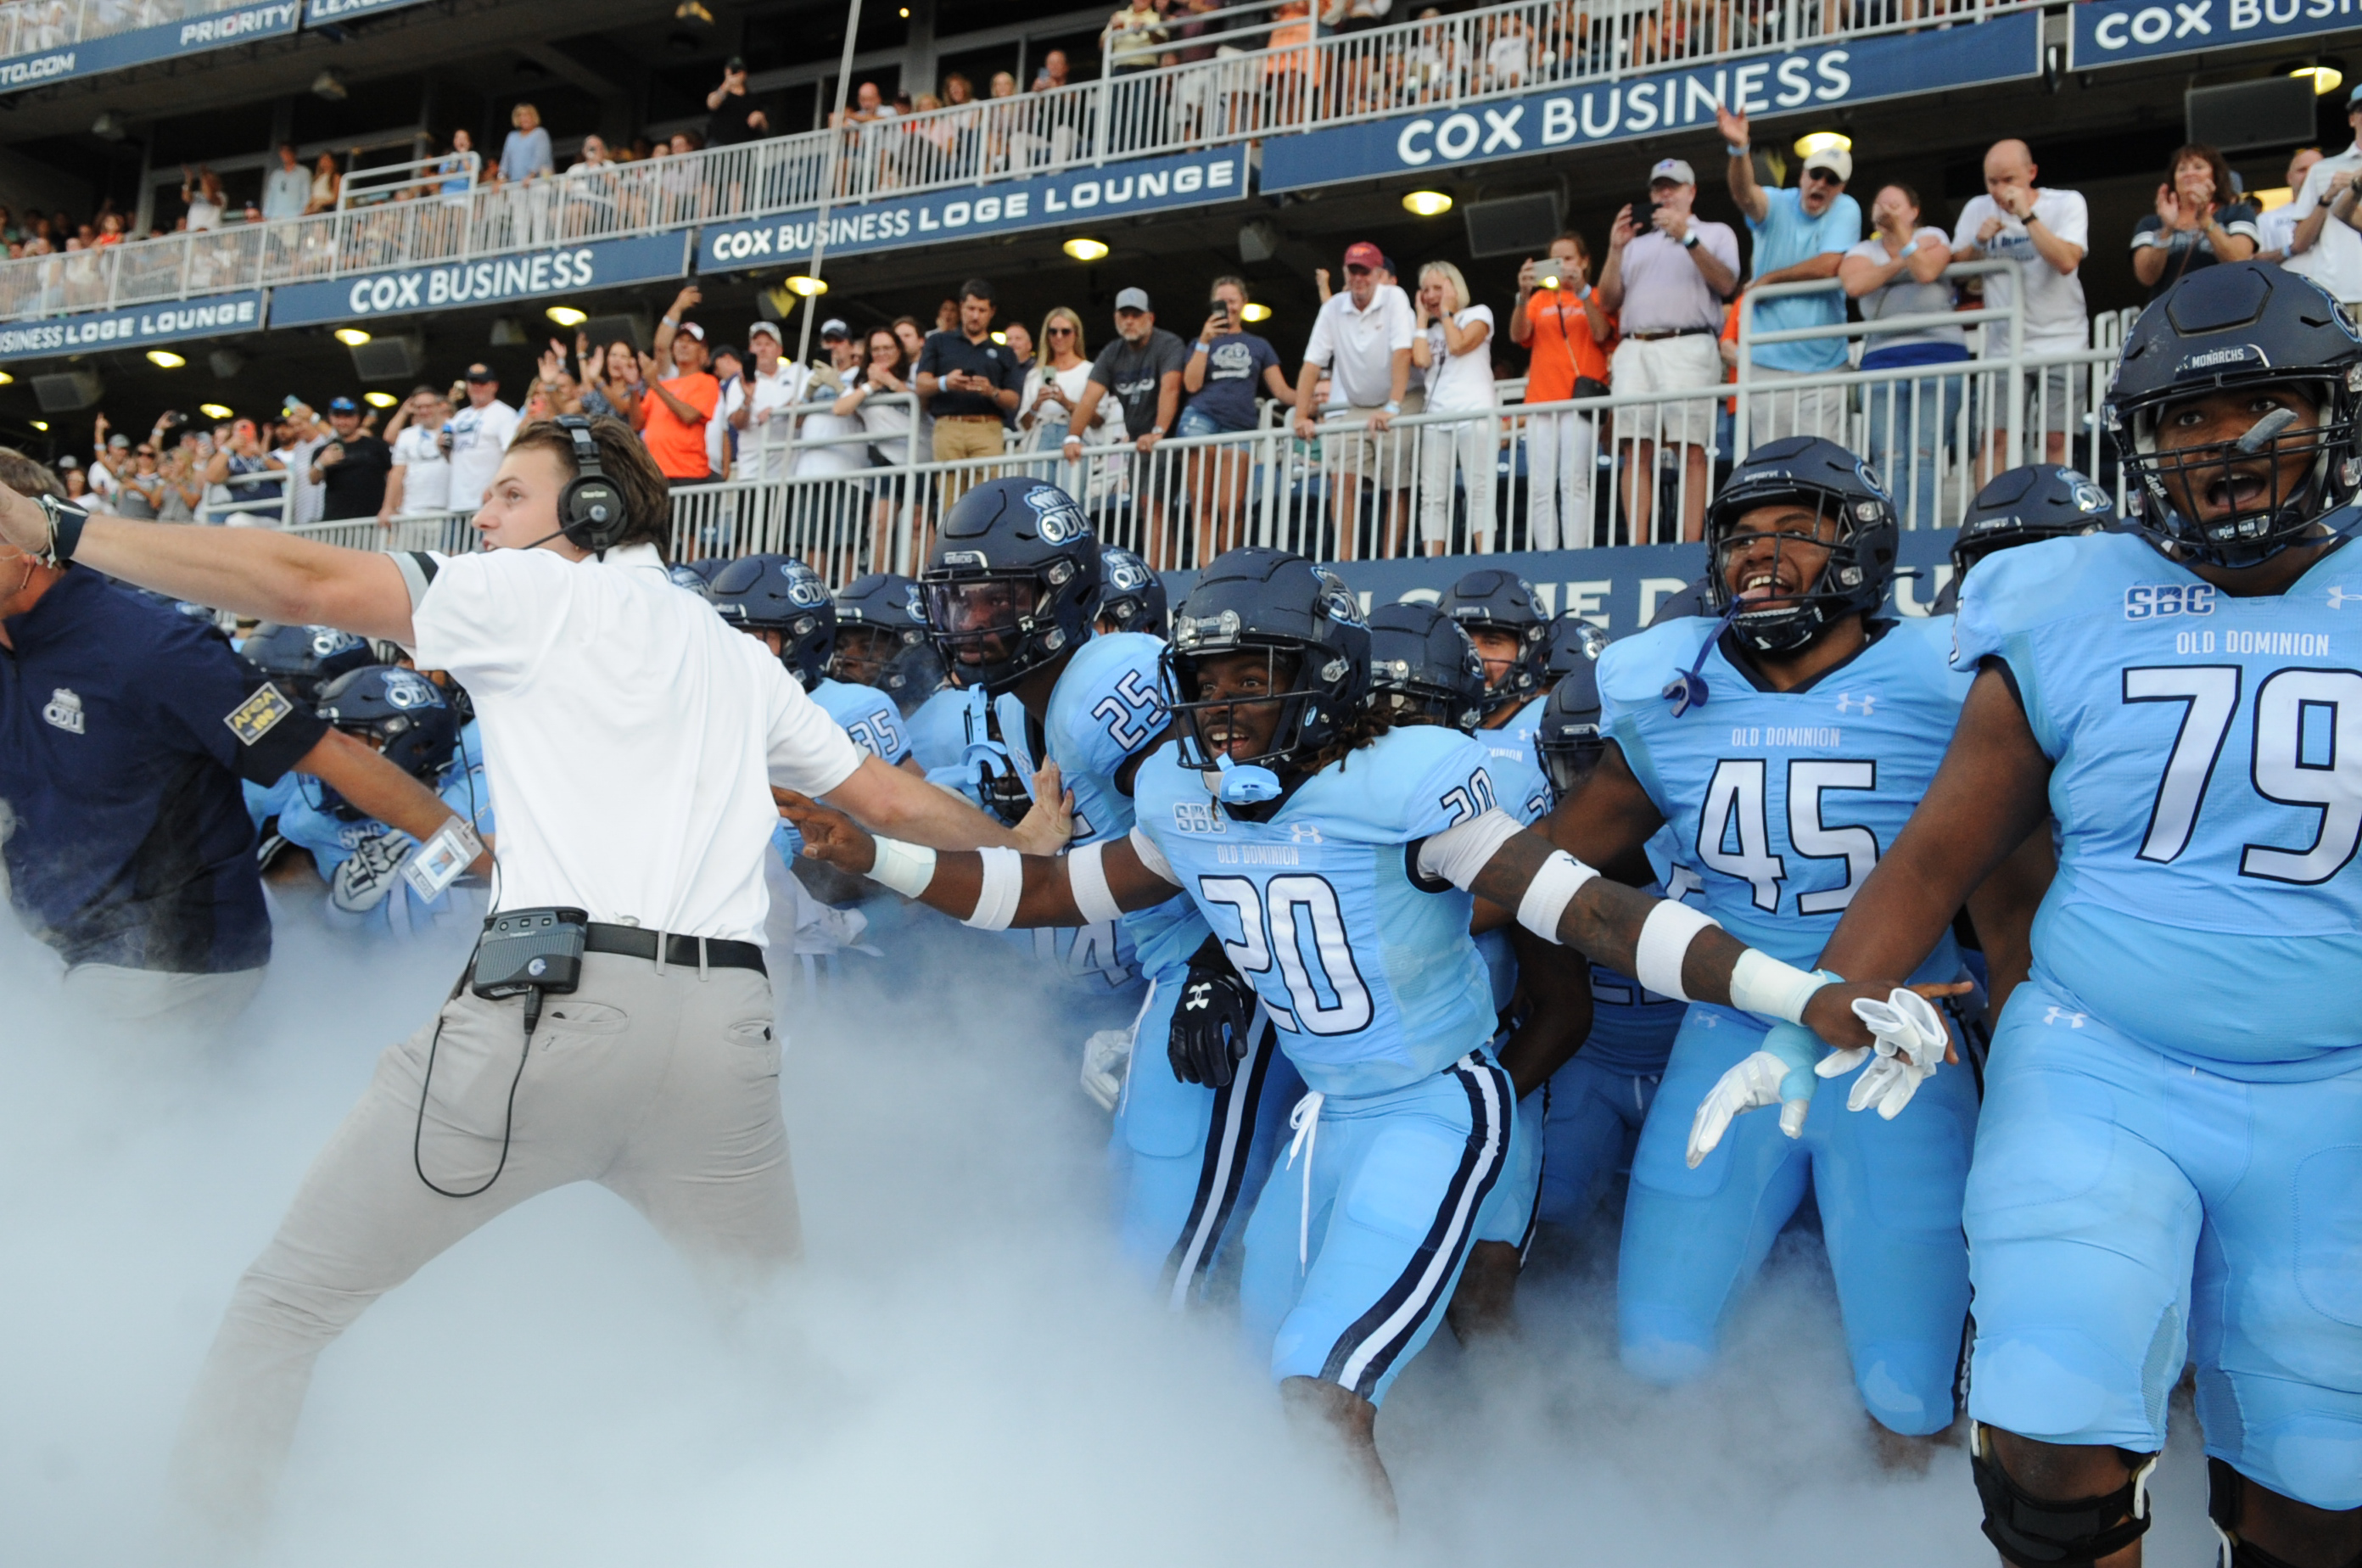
(6, 379)
(808, 286)
(379, 399)
(351, 337)
(328, 85)
(1255, 312)
(2327, 78)
(1083, 249)
(1821, 141)
(1002, 339)
(1427, 203)
(216, 410)
(42, 425)
(165, 359)
(566, 316)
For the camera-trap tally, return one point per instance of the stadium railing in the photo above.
(1292, 82)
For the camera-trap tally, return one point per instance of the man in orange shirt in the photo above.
(1563, 323)
(673, 422)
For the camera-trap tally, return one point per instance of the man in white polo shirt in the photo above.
(2324, 244)
(1362, 338)
(632, 740)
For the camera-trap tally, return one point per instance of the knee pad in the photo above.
(2044, 1532)
(2224, 1489)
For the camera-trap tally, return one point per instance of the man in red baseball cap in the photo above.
(1362, 338)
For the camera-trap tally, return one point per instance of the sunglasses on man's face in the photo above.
(1826, 176)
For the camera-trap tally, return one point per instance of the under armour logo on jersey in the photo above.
(1849, 703)
(1304, 832)
(64, 711)
(2058, 1014)
(2339, 598)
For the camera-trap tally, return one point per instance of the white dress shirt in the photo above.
(631, 737)
(2335, 259)
(1356, 347)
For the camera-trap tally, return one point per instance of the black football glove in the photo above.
(1004, 790)
(1210, 1028)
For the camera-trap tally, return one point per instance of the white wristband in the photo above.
(1665, 938)
(1004, 884)
(1763, 984)
(905, 867)
(1554, 888)
(1087, 880)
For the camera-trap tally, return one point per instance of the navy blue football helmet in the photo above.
(1490, 599)
(300, 660)
(1567, 742)
(1131, 594)
(2037, 501)
(1310, 625)
(401, 713)
(1011, 582)
(1573, 643)
(1697, 599)
(1423, 668)
(2248, 325)
(1840, 504)
(882, 640)
(779, 593)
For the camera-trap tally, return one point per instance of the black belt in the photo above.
(1671, 332)
(636, 942)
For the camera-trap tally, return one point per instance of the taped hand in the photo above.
(1780, 1073)
(1911, 1041)
(1212, 1025)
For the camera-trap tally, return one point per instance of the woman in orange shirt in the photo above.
(1570, 334)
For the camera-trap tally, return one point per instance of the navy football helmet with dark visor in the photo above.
(1307, 624)
(300, 660)
(1568, 741)
(1013, 582)
(2247, 326)
(1131, 594)
(882, 639)
(1835, 503)
(1489, 600)
(405, 715)
(779, 593)
(1423, 668)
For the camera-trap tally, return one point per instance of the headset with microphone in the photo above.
(589, 509)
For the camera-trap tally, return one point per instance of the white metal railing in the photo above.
(1292, 81)
(264, 498)
(31, 27)
(442, 176)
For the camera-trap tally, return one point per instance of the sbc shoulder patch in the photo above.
(258, 715)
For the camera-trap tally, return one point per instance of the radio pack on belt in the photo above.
(530, 950)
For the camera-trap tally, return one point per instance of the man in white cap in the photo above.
(1667, 276)
(822, 385)
(758, 405)
(1801, 234)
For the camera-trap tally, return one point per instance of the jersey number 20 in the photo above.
(1736, 814)
(1326, 991)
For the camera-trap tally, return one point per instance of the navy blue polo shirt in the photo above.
(125, 728)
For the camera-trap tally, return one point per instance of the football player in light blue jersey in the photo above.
(1191, 1157)
(882, 641)
(1503, 617)
(1335, 858)
(2166, 1170)
(1796, 736)
(299, 661)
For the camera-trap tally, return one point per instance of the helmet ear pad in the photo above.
(591, 511)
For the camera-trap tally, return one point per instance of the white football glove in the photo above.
(1911, 1041)
(1107, 1055)
(363, 882)
(1780, 1074)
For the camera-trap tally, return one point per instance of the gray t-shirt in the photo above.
(1134, 371)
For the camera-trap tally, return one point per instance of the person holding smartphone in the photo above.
(1567, 329)
(734, 117)
(1226, 365)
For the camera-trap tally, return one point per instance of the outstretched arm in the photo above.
(1093, 883)
(896, 798)
(1988, 798)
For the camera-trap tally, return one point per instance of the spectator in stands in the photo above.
(1667, 277)
(201, 193)
(1131, 38)
(299, 437)
(729, 372)
(774, 385)
(453, 165)
(610, 378)
(1019, 339)
(1054, 387)
(326, 184)
(682, 397)
(885, 373)
(481, 433)
(352, 464)
(419, 479)
(2276, 228)
(1362, 338)
(286, 189)
(1052, 74)
(255, 500)
(139, 491)
(1899, 271)
(1227, 366)
(826, 383)
(914, 336)
(185, 487)
(2046, 232)
(947, 316)
(1143, 370)
(1568, 331)
(525, 154)
(2201, 219)
(1454, 349)
(968, 381)
(868, 104)
(2331, 253)
(734, 117)
(1800, 236)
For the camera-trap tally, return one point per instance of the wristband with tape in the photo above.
(905, 867)
(1004, 884)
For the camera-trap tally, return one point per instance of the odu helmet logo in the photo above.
(1124, 574)
(1056, 517)
(2088, 497)
(1337, 600)
(327, 642)
(405, 690)
(915, 602)
(804, 589)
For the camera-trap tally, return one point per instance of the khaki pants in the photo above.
(957, 440)
(661, 1087)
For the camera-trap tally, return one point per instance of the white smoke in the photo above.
(957, 1375)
